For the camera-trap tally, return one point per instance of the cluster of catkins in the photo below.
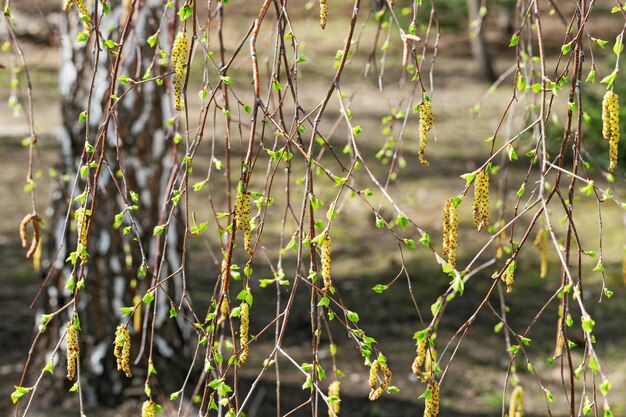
(610, 125)
(376, 392)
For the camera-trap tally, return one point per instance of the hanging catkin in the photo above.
(148, 409)
(80, 216)
(122, 349)
(432, 403)
(334, 391)
(179, 59)
(610, 125)
(450, 230)
(73, 349)
(480, 206)
(541, 243)
(375, 392)
(426, 121)
(325, 248)
(508, 277)
(323, 13)
(244, 332)
(516, 405)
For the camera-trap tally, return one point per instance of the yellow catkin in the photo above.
(81, 231)
(244, 332)
(247, 229)
(148, 409)
(242, 218)
(122, 349)
(73, 349)
(179, 59)
(541, 243)
(480, 206)
(334, 391)
(426, 121)
(508, 277)
(85, 16)
(446, 227)
(323, 13)
(137, 317)
(431, 360)
(373, 374)
(67, 4)
(420, 355)
(450, 230)
(516, 405)
(432, 403)
(375, 393)
(325, 248)
(610, 125)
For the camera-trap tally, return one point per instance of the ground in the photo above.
(474, 382)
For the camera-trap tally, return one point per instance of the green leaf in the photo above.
(410, 243)
(18, 393)
(353, 317)
(148, 297)
(403, 221)
(185, 12)
(379, 288)
(565, 49)
(618, 47)
(514, 40)
(152, 40)
(605, 387)
(587, 324)
(158, 230)
(425, 239)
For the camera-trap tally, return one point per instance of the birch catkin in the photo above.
(148, 409)
(480, 206)
(325, 249)
(508, 277)
(323, 13)
(426, 121)
(450, 230)
(80, 216)
(541, 243)
(377, 365)
(244, 332)
(610, 125)
(334, 391)
(516, 405)
(73, 349)
(432, 403)
(179, 59)
(122, 350)
(84, 13)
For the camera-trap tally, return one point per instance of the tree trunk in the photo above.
(480, 49)
(137, 142)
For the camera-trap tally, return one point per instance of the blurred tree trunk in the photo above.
(138, 144)
(480, 49)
